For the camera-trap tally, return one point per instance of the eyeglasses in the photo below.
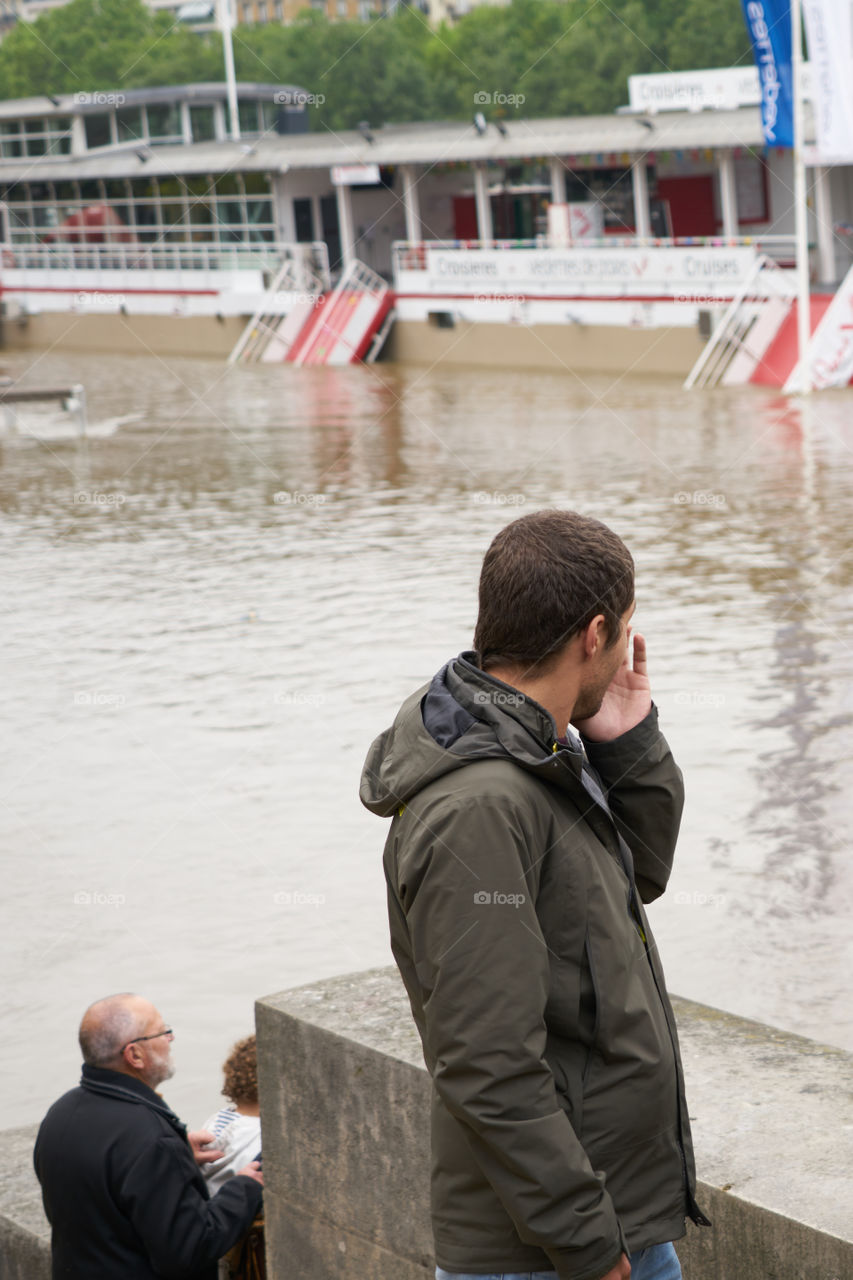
(156, 1036)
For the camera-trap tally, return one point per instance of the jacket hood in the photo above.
(462, 715)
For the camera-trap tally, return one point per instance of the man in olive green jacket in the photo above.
(517, 863)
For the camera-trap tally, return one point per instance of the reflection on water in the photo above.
(215, 602)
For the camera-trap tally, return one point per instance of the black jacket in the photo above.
(122, 1190)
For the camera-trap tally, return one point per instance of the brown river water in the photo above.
(214, 603)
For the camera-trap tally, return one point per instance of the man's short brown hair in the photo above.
(544, 578)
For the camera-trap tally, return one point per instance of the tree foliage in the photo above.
(531, 58)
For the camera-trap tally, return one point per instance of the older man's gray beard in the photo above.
(161, 1073)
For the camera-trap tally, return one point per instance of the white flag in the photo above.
(829, 30)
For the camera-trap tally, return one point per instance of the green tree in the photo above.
(537, 57)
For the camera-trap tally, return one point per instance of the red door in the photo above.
(691, 204)
(465, 217)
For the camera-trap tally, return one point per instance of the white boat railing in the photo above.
(309, 262)
(411, 255)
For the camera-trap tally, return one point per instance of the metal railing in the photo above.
(72, 398)
(310, 262)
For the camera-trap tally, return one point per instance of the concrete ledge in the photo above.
(345, 1106)
(24, 1230)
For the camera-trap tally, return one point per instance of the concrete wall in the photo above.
(345, 1102)
(345, 1099)
(24, 1230)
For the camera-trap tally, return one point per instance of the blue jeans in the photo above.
(660, 1262)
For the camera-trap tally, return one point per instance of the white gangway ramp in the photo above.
(746, 328)
(291, 296)
(349, 323)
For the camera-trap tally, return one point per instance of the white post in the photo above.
(225, 25)
(640, 183)
(558, 182)
(728, 193)
(484, 207)
(823, 216)
(800, 207)
(345, 223)
(411, 204)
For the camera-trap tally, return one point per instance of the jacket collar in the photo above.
(124, 1088)
(522, 726)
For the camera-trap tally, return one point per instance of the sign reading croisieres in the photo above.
(613, 272)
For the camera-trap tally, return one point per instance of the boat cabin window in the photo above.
(98, 133)
(131, 127)
(164, 122)
(10, 139)
(203, 124)
(250, 118)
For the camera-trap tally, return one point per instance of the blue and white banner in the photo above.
(829, 30)
(769, 26)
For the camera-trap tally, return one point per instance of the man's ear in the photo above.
(594, 636)
(132, 1057)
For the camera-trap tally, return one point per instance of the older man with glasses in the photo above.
(119, 1172)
